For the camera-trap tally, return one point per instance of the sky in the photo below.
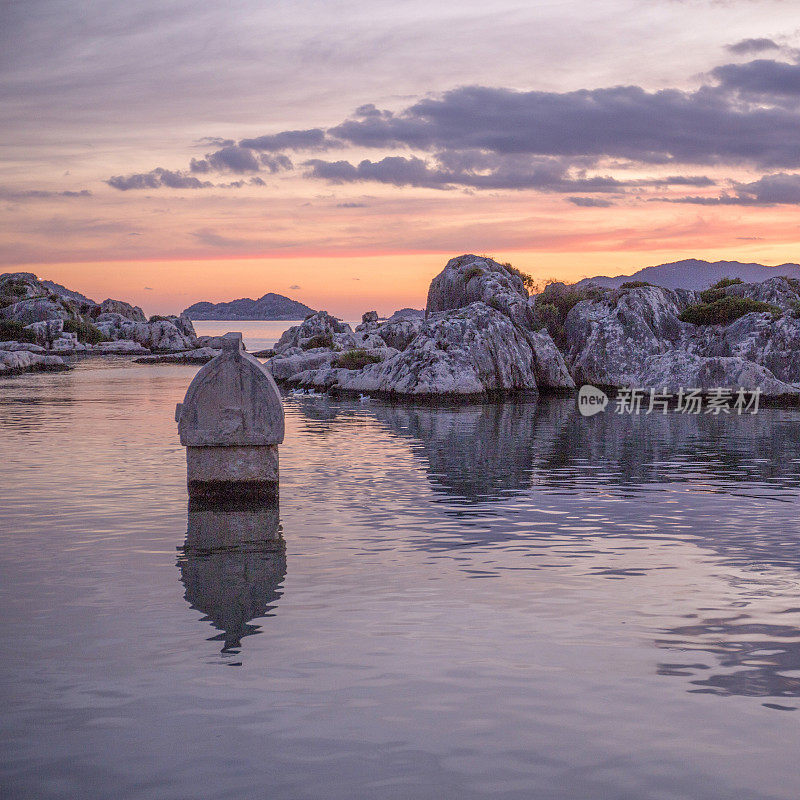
(341, 152)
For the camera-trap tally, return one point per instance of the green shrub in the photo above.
(724, 310)
(555, 301)
(12, 331)
(634, 284)
(795, 310)
(717, 291)
(158, 318)
(15, 286)
(546, 316)
(85, 331)
(356, 359)
(527, 280)
(321, 340)
(726, 282)
(472, 272)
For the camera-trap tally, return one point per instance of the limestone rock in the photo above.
(47, 330)
(400, 332)
(122, 347)
(16, 361)
(468, 352)
(285, 366)
(321, 324)
(549, 366)
(470, 278)
(36, 309)
(678, 369)
(162, 334)
(126, 310)
(608, 340)
(21, 346)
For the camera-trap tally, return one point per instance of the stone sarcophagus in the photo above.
(231, 423)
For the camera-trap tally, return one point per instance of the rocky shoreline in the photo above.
(484, 337)
(42, 322)
(481, 337)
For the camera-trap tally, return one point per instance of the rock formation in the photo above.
(482, 335)
(58, 320)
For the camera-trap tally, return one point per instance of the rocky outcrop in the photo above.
(482, 335)
(468, 352)
(66, 322)
(608, 340)
(162, 334)
(126, 310)
(318, 327)
(635, 338)
(13, 362)
(121, 347)
(35, 309)
(470, 278)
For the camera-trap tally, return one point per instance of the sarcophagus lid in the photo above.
(232, 401)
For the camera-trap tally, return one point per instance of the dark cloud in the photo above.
(277, 163)
(351, 205)
(294, 287)
(233, 159)
(413, 171)
(313, 139)
(590, 202)
(762, 79)
(492, 138)
(781, 188)
(155, 179)
(747, 46)
(451, 171)
(621, 122)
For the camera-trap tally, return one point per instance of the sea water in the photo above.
(491, 601)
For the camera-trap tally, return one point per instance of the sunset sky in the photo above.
(340, 152)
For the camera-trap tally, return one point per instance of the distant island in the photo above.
(696, 274)
(269, 307)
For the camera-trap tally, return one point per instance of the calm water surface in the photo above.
(487, 602)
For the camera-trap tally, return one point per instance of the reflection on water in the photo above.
(750, 658)
(232, 564)
(484, 601)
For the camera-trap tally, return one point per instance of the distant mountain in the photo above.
(270, 306)
(695, 274)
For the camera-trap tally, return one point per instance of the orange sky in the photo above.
(93, 105)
